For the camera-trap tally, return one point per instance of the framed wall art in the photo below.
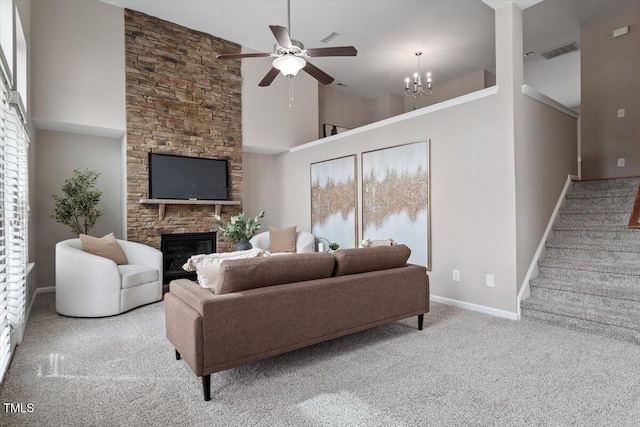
(396, 197)
(334, 200)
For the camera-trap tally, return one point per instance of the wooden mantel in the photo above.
(162, 204)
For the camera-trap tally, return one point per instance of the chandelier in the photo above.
(418, 89)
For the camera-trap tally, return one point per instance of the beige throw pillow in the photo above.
(207, 266)
(282, 240)
(106, 247)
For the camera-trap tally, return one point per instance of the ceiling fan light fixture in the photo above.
(289, 65)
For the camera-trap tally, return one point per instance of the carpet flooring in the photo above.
(463, 369)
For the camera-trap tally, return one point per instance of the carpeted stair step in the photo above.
(599, 194)
(601, 288)
(576, 271)
(616, 299)
(616, 204)
(594, 256)
(614, 233)
(598, 252)
(598, 204)
(603, 218)
(606, 185)
(614, 324)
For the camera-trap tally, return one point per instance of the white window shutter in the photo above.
(13, 224)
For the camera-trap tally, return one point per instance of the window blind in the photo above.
(13, 224)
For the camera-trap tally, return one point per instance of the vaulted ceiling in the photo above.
(456, 37)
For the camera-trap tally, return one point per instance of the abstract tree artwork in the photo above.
(333, 201)
(396, 198)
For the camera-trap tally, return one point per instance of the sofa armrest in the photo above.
(192, 294)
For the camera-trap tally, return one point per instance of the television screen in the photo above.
(187, 178)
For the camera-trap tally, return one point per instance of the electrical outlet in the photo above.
(491, 280)
(621, 113)
(456, 275)
(621, 163)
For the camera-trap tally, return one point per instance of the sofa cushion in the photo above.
(106, 247)
(243, 274)
(134, 275)
(362, 260)
(206, 266)
(282, 240)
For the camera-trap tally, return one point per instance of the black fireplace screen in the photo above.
(177, 248)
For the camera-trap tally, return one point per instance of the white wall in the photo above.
(268, 124)
(58, 155)
(546, 152)
(259, 192)
(558, 78)
(386, 106)
(342, 109)
(78, 66)
(545, 155)
(473, 201)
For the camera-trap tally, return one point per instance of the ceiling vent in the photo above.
(563, 49)
(330, 37)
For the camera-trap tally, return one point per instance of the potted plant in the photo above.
(333, 246)
(239, 229)
(77, 206)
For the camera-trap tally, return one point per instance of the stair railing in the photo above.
(634, 219)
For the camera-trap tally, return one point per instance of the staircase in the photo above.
(589, 278)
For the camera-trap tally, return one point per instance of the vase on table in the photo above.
(243, 245)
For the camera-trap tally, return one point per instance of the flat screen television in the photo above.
(187, 178)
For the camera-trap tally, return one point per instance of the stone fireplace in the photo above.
(182, 101)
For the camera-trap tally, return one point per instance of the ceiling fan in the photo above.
(291, 56)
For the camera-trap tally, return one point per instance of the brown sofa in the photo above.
(267, 306)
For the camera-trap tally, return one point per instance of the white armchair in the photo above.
(305, 242)
(93, 286)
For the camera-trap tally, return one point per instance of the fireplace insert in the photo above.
(177, 248)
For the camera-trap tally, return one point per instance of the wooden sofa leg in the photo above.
(178, 357)
(206, 387)
(420, 321)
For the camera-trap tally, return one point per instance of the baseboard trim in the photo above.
(38, 291)
(475, 307)
(532, 272)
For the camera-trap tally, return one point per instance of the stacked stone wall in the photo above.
(182, 101)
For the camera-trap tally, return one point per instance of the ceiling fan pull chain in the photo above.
(290, 92)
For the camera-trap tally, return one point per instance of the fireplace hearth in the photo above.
(177, 248)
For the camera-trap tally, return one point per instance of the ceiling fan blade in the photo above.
(242, 55)
(270, 77)
(332, 51)
(282, 36)
(317, 74)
